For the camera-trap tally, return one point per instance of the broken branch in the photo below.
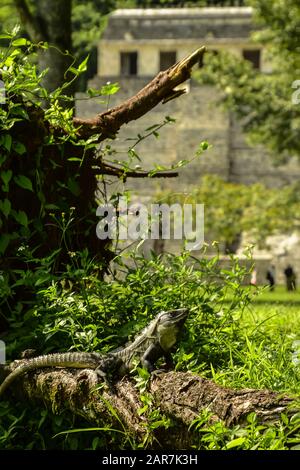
(161, 88)
(111, 170)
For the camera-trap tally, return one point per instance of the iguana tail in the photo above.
(77, 360)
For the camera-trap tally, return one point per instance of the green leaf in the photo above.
(235, 443)
(15, 30)
(151, 128)
(143, 373)
(6, 141)
(180, 164)
(94, 92)
(20, 42)
(170, 119)
(73, 70)
(18, 110)
(295, 417)
(4, 241)
(23, 182)
(41, 196)
(44, 277)
(5, 207)
(70, 431)
(2, 159)
(19, 148)
(83, 66)
(21, 217)
(6, 176)
(95, 442)
(109, 89)
(132, 153)
(204, 145)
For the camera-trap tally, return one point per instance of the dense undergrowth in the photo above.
(229, 337)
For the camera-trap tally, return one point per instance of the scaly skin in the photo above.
(154, 341)
(78, 360)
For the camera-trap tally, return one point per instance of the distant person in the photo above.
(290, 278)
(253, 280)
(271, 277)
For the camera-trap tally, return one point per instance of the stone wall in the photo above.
(151, 31)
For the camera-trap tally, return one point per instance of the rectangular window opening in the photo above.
(253, 56)
(129, 62)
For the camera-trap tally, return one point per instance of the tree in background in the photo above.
(233, 209)
(267, 104)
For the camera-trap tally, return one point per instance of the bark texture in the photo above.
(180, 396)
(50, 22)
(54, 16)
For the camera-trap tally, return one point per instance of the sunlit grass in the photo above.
(262, 357)
(279, 294)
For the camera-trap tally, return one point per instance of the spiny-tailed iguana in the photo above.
(152, 343)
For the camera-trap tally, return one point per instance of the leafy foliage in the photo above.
(43, 170)
(176, 3)
(53, 303)
(252, 436)
(86, 318)
(88, 21)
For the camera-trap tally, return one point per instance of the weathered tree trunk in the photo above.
(55, 18)
(180, 396)
(50, 22)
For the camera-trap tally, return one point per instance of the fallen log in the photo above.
(180, 396)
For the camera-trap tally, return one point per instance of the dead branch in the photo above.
(111, 170)
(161, 88)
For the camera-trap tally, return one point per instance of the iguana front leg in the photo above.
(151, 356)
(169, 360)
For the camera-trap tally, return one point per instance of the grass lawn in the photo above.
(264, 354)
(279, 295)
(261, 354)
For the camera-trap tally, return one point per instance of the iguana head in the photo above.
(169, 326)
